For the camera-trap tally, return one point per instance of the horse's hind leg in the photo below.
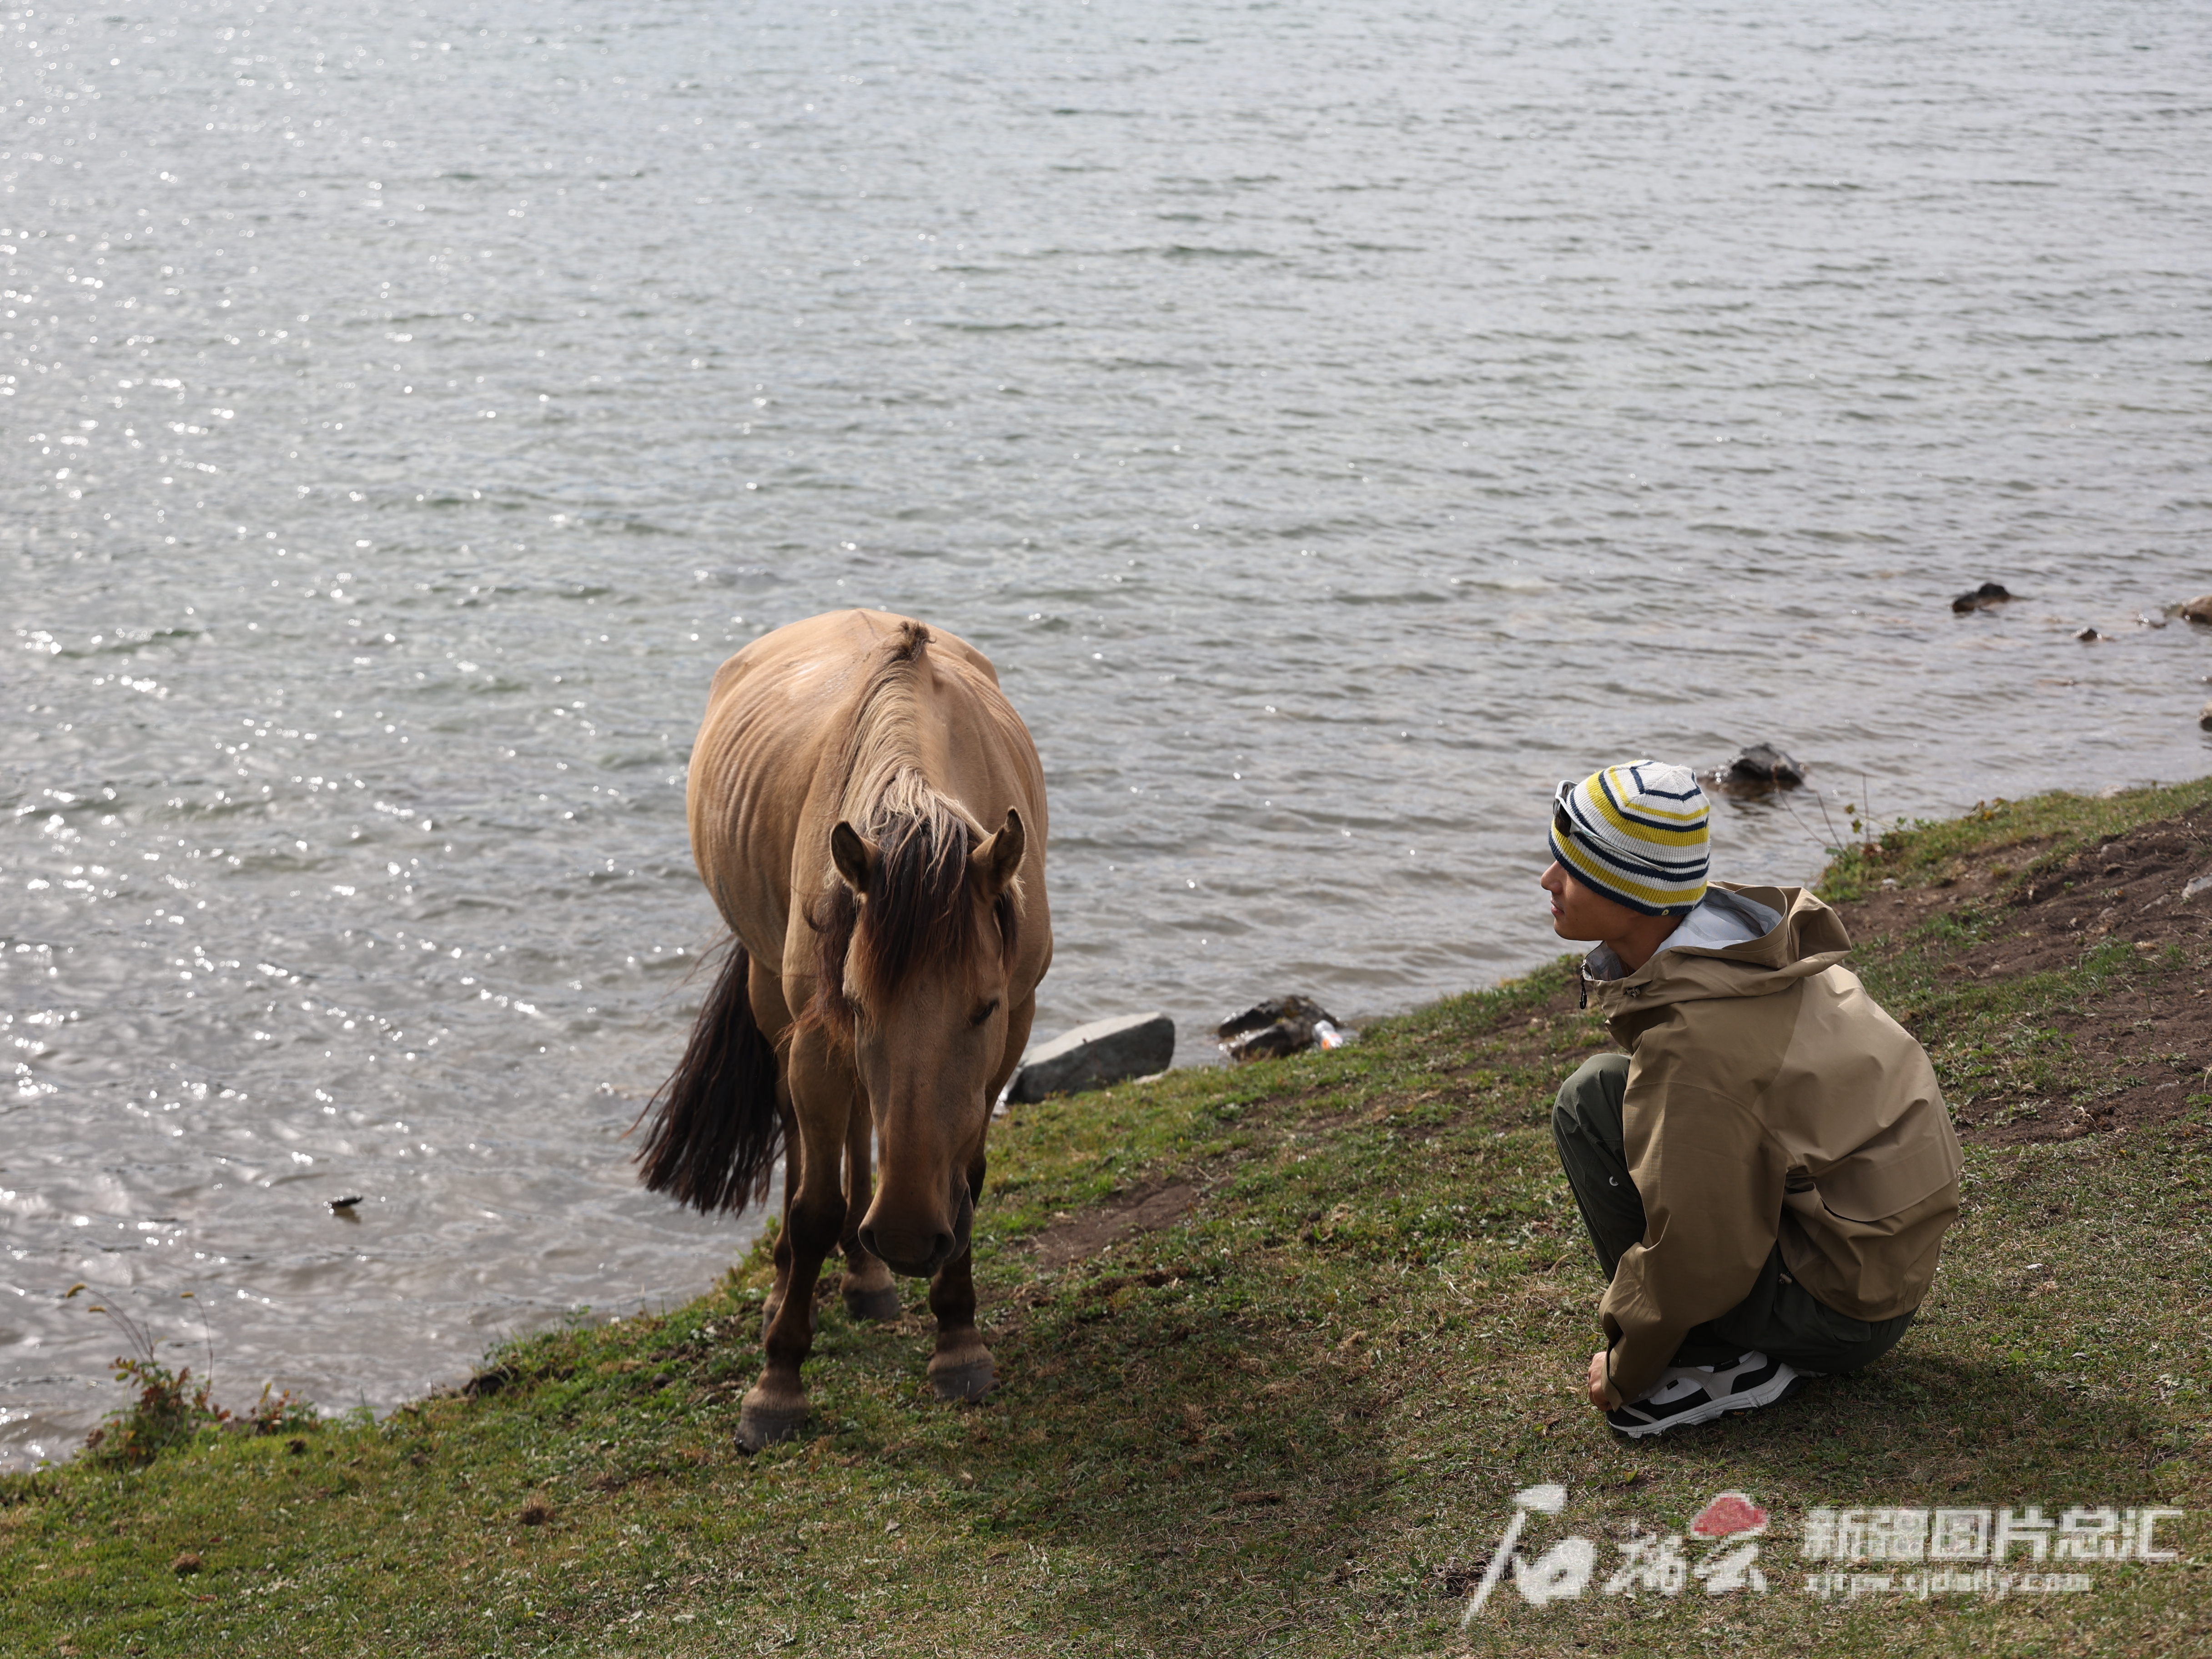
(821, 1091)
(962, 1368)
(782, 1254)
(870, 1292)
(774, 1020)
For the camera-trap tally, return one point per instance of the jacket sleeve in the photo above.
(1711, 1181)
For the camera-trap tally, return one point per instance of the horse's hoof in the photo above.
(760, 1426)
(967, 1379)
(883, 1306)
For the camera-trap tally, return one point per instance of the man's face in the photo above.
(1581, 912)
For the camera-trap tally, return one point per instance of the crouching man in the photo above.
(1768, 1172)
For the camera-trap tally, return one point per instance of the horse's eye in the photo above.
(985, 1011)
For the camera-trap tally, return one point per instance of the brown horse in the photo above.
(883, 978)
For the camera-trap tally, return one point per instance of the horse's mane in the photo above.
(916, 914)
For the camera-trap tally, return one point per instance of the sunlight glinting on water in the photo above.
(1337, 426)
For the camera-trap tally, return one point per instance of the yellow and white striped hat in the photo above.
(1636, 833)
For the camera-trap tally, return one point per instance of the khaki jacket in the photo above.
(1770, 1099)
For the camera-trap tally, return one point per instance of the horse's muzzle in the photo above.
(915, 1256)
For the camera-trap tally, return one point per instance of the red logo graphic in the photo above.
(1730, 1513)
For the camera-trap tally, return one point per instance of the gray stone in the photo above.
(1091, 1056)
(1280, 1026)
(1763, 763)
(2198, 610)
(2204, 717)
(1981, 598)
(2202, 885)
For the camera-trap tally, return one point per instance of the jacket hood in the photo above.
(1808, 940)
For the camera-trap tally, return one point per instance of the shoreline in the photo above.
(1277, 1345)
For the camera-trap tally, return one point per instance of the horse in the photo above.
(882, 977)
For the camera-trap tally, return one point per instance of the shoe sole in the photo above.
(1776, 1384)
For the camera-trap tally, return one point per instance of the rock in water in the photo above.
(1282, 1025)
(2088, 636)
(1091, 1056)
(2198, 610)
(2204, 717)
(1762, 762)
(1987, 594)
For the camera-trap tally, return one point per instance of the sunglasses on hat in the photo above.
(1563, 822)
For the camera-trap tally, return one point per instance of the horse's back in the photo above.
(766, 764)
(846, 640)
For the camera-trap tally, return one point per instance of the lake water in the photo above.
(1337, 422)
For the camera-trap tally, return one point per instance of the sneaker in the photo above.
(1698, 1394)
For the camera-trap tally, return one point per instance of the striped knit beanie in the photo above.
(1636, 834)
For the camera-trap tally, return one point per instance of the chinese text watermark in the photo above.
(1957, 1551)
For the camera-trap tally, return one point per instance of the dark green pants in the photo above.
(1780, 1318)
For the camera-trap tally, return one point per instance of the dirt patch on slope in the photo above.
(2153, 1036)
(2130, 888)
(1142, 1210)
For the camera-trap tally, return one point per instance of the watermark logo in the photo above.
(2096, 1533)
(1952, 1552)
(1952, 1543)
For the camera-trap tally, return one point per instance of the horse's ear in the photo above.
(856, 857)
(996, 860)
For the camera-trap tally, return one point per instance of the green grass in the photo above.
(1291, 1423)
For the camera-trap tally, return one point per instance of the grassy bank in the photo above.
(1277, 1346)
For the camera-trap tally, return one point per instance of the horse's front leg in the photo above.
(869, 1290)
(961, 1368)
(822, 1098)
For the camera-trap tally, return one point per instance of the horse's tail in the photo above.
(715, 1131)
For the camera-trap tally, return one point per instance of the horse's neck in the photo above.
(893, 775)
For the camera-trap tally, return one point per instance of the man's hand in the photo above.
(1601, 1392)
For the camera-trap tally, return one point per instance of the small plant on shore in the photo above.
(279, 1411)
(170, 1405)
(169, 1408)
